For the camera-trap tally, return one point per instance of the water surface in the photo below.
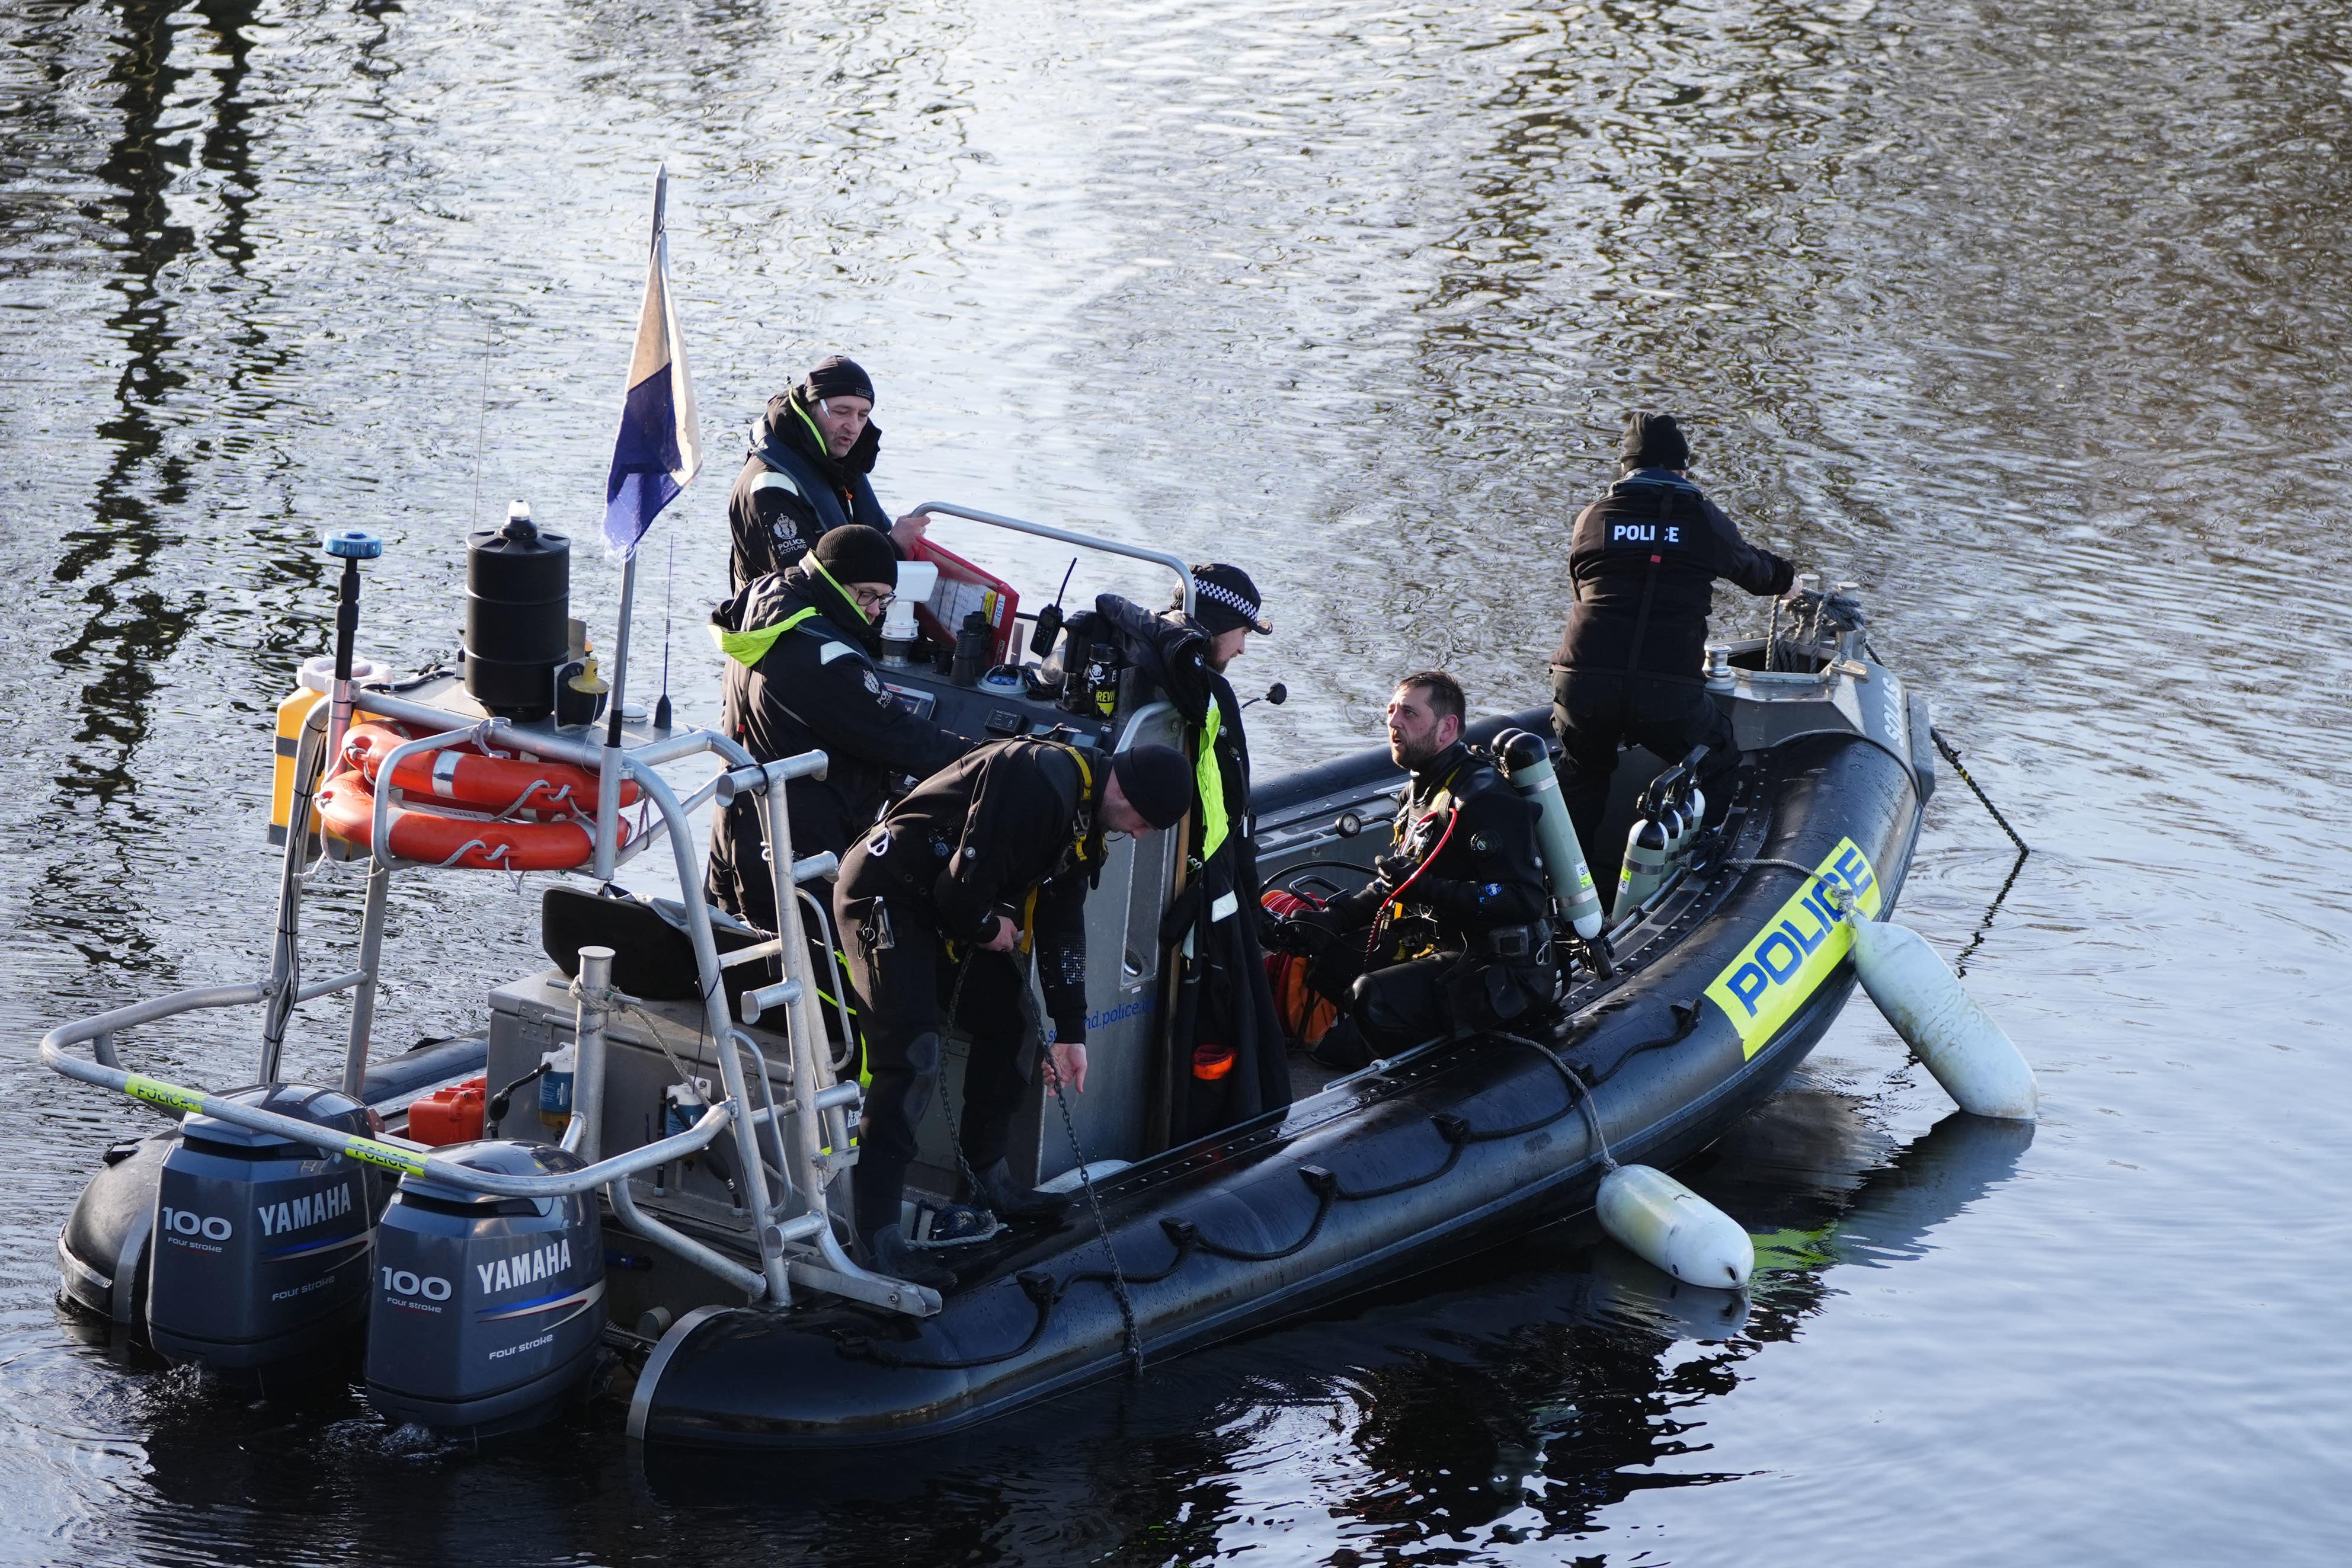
(2031, 321)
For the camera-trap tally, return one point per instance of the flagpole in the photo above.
(608, 779)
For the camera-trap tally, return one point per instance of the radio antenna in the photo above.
(669, 593)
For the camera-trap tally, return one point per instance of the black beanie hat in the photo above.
(1224, 598)
(1157, 781)
(1652, 441)
(838, 376)
(856, 554)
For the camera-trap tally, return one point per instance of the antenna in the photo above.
(669, 593)
(482, 423)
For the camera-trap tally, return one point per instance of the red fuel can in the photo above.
(452, 1114)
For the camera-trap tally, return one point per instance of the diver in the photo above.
(989, 858)
(805, 474)
(800, 646)
(1452, 934)
(1229, 1064)
(1645, 558)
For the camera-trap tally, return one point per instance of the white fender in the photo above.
(1979, 1065)
(1663, 1222)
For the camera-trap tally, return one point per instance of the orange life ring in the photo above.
(477, 780)
(347, 810)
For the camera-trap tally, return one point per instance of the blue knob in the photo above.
(353, 545)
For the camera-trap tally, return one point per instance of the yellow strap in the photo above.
(1210, 779)
(1086, 788)
(748, 649)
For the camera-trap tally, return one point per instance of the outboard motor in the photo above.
(259, 1254)
(487, 1311)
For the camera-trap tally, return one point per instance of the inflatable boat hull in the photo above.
(1391, 1172)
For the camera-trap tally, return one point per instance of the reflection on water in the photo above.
(1515, 1402)
(2031, 321)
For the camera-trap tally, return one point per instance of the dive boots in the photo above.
(994, 1188)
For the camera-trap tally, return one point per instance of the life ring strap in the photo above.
(347, 811)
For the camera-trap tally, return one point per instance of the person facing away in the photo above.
(805, 474)
(1230, 1063)
(1645, 558)
(1453, 932)
(800, 646)
(990, 857)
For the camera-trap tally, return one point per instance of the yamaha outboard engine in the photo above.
(487, 1311)
(261, 1243)
(102, 1250)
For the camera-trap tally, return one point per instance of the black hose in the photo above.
(499, 1101)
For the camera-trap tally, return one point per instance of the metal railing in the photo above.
(791, 1245)
(1175, 563)
(792, 1232)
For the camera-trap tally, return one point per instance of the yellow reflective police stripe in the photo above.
(1211, 779)
(385, 1155)
(171, 1097)
(155, 1091)
(750, 647)
(1787, 960)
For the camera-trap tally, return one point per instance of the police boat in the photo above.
(633, 1163)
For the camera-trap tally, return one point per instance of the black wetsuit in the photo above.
(1645, 558)
(1472, 948)
(1007, 830)
(791, 490)
(801, 677)
(1221, 996)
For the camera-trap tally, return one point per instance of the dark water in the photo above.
(2032, 320)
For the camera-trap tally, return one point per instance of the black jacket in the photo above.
(801, 675)
(977, 839)
(1464, 859)
(1645, 558)
(791, 489)
(1221, 995)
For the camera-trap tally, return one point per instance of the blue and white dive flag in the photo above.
(659, 448)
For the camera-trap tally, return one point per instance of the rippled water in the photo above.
(2030, 320)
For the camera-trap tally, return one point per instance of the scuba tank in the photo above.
(1527, 763)
(1647, 862)
(1677, 829)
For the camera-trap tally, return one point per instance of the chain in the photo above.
(1094, 1206)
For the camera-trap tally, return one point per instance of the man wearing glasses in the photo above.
(805, 473)
(800, 646)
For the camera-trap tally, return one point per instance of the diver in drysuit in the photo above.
(805, 474)
(1645, 559)
(1229, 1061)
(994, 853)
(1453, 933)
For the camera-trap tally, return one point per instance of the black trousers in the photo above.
(904, 983)
(1399, 1005)
(1594, 711)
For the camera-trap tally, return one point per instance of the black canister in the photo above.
(518, 613)
(975, 645)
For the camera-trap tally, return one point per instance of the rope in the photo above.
(1583, 1096)
(1952, 755)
